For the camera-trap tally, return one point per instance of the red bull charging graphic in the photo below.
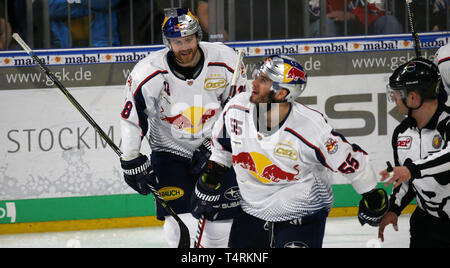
(190, 118)
(263, 169)
(293, 73)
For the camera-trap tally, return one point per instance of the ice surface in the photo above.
(340, 232)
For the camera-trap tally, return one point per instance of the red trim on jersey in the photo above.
(221, 64)
(148, 78)
(239, 107)
(309, 108)
(319, 153)
(444, 60)
(144, 127)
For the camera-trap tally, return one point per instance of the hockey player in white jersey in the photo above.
(442, 60)
(175, 95)
(283, 154)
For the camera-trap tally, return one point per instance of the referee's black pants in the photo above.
(428, 231)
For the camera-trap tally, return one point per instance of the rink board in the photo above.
(55, 168)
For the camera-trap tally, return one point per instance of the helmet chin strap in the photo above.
(410, 110)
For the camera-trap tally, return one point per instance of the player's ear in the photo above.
(281, 94)
(415, 97)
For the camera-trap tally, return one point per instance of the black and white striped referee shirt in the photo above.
(426, 153)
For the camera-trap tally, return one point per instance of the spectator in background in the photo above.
(203, 17)
(5, 34)
(439, 16)
(202, 14)
(79, 30)
(379, 21)
(442, 60)
(429, 15)
(5, 28)
(145, 30)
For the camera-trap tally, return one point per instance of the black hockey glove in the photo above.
(138, 174)
(373, 206)
(205, 199)
(200, 158)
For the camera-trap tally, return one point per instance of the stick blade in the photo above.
(185, 238)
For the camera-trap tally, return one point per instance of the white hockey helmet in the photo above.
(285, 72)
(179, 22)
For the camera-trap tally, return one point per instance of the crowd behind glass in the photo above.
(99, 23)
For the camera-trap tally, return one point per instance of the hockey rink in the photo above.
(341, 232)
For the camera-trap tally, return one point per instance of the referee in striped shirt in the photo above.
(421, 155)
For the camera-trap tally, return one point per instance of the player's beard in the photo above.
(263, 98)
(187, 57)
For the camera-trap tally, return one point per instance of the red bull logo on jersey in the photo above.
(262, 168)
(192, 119)
(293, 73)
(244, 160)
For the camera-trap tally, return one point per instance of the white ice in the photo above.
(340, 232)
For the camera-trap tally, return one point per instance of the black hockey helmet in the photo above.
(419, 75)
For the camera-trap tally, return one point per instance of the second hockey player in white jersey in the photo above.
(283, 153)
(175, 95)
(442, 60)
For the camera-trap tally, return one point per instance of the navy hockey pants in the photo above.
(248, 232)
(306, 232)
(176, 186)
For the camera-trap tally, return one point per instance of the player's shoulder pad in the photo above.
(239, 100)
(442, 53)
(219, 52)
(312, 123)
(309, 115)
(149, 67)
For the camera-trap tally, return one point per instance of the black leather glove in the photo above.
(200, 158)
(138, 174)
(373, 206)
(204, 201)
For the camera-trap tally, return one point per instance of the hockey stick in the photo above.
(184, 231)
(236, 72)
(412, 23)
(200, 228)
(234, 78)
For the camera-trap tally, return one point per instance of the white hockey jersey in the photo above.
(286, 174)
(177, 113)
(442, 60)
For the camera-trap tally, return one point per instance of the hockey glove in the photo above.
(205, 200)
(138, 174)
(373, 206)
(200, 158)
